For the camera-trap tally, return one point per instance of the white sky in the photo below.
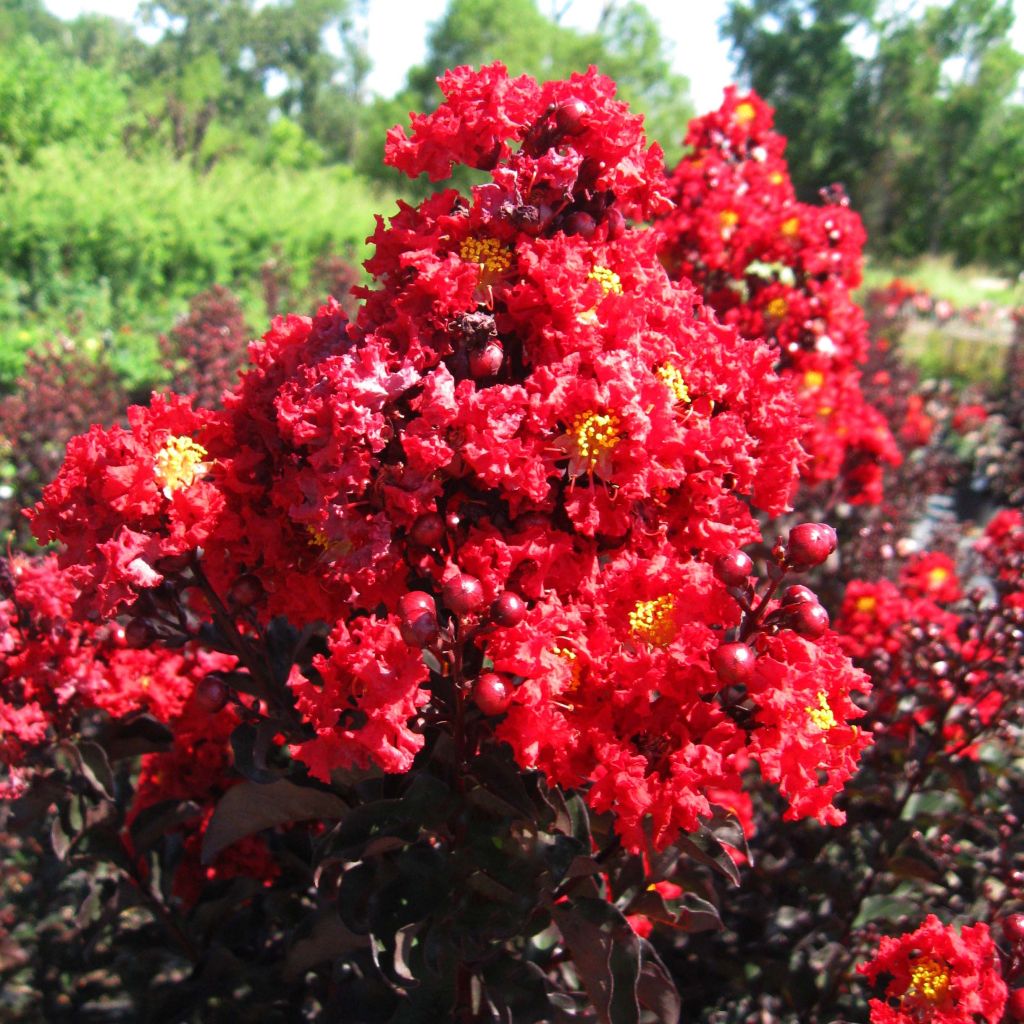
(397, 31)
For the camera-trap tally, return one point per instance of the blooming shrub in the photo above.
(205, 350)
(456, 692)
(61, 391)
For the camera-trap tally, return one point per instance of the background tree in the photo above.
(913, 109)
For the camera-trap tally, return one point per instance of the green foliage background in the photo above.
(135, 174)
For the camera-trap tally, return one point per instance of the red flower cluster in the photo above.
(524, 456)
(782, 270)
(198, 769)
(128, 503)
(938, 976)
(55, 666)
(932, 659)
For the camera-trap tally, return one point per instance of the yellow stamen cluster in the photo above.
(866, 605)
(928, 978)
(777, 308)
(568, 655)
(813, 379)
(937, 576)
(593, 434)
(790, 227)
(672, 378)
(777, 177)
(609, 280)
(178, 463)
(729, 218)
(822, 715)
(317, 537)
(745, 113)
(488, 252)
(653, 621)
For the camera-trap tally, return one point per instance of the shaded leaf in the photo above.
(250, 807)
(606, 953)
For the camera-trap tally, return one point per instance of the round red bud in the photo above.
(580, 223)
(571, 117)
(508, 610)
(486, 362)
(1013, 928)
(417, 618)
(428, 530)
(733, 662)
(247, 590)
(492, 694)
(810, 619)
(615, 223)
(799, 595)
(809, 545)
(211, 694)
(138, 634)
(734, 568)
(463, 594)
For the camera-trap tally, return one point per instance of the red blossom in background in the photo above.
(938, 976)
(782, 270)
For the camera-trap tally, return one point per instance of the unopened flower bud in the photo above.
(508, 609)
(733, 663)
(809, 545)
(463, 594)
(580, 223)
(799, 595)
(734, 568)
(810, 619)
(492, 694)
(211, 693)
(139, 633)
(486, 362)
(417, 618)
(571, 117)
(1013, 929)
(428, 530)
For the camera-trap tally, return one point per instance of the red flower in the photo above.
(938, 976)
(125, 499)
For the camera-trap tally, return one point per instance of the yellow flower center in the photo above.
(610, 281)
(866, 604)
(178, 463)
(568, 655)
(653, 621)
(745, 113)
(489, 253)
(813, 379)
(672, 378)
(777, 308)
(317, 537)
(729, 218)
(777, 178)
(937, 576)
(790, 227)
(928, 978)
(822, 715)
(593, 434)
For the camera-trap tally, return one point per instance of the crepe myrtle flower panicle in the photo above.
(126, 499)
(938, 976)
(549, 517)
